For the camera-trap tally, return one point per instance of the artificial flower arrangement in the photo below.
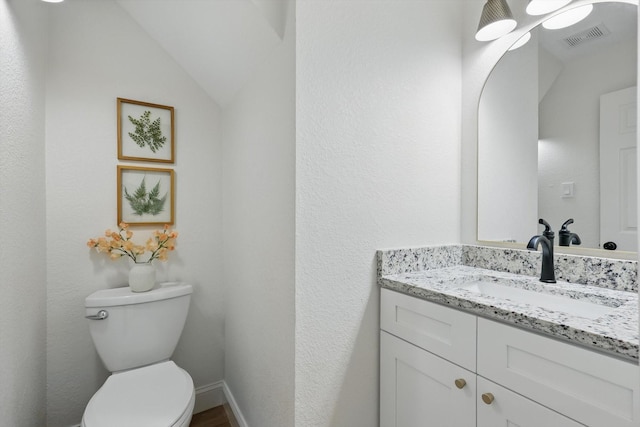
(119, 244)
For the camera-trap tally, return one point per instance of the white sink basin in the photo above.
(544, 296)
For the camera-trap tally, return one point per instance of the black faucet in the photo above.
(565, 237)
(546, 241)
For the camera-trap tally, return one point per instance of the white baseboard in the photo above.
(234, 406)
(216, 394)
(209, 396)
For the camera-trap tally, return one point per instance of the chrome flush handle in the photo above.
(102, 314)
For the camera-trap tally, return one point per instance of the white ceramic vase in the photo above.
(142, 277)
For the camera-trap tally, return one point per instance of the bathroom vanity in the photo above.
(470, 337)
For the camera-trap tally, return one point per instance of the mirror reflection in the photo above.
(557, 134)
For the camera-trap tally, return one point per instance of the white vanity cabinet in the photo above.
(509, 376)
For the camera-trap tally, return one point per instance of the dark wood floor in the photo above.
(214, 417)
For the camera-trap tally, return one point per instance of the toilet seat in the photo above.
(160, 395)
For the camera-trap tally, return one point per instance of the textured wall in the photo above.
(22, 213)
(96, 54)
(377, 166)
(258, 206)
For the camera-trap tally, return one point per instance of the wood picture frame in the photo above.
(146, 196)
(145, 131)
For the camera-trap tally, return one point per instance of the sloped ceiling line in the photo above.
(218, 42)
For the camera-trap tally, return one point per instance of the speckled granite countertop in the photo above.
(443, 275)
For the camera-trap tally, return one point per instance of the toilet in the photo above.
(135, 335)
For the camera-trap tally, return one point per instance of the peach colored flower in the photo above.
(163, 254)
(119, 244)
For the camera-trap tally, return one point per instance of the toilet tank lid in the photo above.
(124, 296)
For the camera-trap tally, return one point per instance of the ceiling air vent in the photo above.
(587, 35)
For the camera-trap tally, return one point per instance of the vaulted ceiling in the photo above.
(218, 42)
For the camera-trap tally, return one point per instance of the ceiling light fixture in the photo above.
(496, 21)
(568, 18)
(540, 7)
(53, 1)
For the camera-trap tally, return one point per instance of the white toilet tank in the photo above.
(139, 328)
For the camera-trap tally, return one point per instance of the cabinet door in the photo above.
(592, 388)
(511, 409)
(418, 389)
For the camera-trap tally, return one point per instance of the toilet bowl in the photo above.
(160, 395)
(135, 334)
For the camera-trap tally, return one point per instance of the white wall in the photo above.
(570, 137)
(22, 213)
(96, 54)
(377, 165)
(258, 218)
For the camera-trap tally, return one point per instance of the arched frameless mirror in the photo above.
(557, 133)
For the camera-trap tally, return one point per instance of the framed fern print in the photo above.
(145, 131)
(146, 196)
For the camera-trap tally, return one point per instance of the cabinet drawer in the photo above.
(449, 333)
(592, 388)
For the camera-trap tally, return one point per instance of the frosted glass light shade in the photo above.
(53, 1)
(540, 7)
(521, 41)
(496, 21)
(568, 18)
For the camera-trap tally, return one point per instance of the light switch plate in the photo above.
(568, 189)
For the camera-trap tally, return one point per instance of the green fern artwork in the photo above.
(143, 202)
(147, 132)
